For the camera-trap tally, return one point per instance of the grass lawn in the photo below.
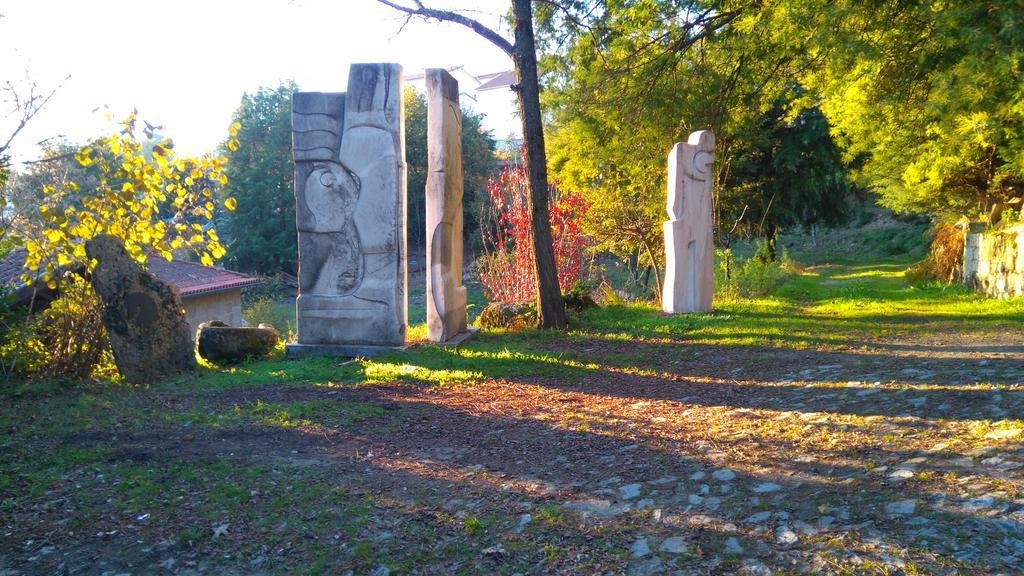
(847, 424)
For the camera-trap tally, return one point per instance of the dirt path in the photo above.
(887, 455)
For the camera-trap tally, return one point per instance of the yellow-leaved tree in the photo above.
(143, 194)
(138, 191)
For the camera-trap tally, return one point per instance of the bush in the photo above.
(751, 278)
(506, 267)
(67, 340)
(265, 310)
(578, 298)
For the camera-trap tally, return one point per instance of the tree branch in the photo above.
(28, 108)
(454, 17)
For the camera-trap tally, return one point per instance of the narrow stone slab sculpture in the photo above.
(350, 180)
(689, 251)
(446, 296)
(144, 316)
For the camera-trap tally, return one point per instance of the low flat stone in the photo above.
(219, 343)
(723, 475)
(640, 548)
(979, 503)
(649, 567)
(594, 507)
(901, 475)
(804, 528)
(901, 507)
(753, 567)
(732, 546)
(759, 518)
(629, 491)
(674, 545)
(697, 476)
(785, 536)
(767, 487)
(522, 522)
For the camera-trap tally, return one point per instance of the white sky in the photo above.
(186, 63)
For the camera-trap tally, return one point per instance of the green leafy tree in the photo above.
(786, 172)
(628, 81)
(926, 96)
(260, 233)
(477, 166)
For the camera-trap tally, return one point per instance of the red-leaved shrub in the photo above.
(506, 266)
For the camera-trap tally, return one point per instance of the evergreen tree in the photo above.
(261, 232)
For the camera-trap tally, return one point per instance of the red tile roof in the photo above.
(190, 278)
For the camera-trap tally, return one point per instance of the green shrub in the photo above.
(266, 310)
(751, 278)
(756, 278)
(67, 340)
(579, 297)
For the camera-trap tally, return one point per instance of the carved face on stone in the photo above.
(331, 195)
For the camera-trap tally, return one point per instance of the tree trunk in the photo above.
(550, 307)
(654, 264)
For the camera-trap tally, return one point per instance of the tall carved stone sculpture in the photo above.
(446, 296)
(349, 151)
(689, 252)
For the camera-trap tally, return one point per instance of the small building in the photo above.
(208, 293)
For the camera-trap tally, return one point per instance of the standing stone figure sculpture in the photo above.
(446, 296)
(689, 251)
(349, 151)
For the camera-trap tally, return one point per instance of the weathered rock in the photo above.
(674, 545)
(640, 548)
(723, 475)
(689, 252)
(499, 315)
(350, 214)
(767, 487)
(144, 316)
(629, 491)
(901, 507)
(446, 296)
(218, 342)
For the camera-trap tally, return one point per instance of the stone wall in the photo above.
(994, 260)
(224, 306)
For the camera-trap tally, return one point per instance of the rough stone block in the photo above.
(144, 316)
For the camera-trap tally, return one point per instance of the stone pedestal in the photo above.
(446, 296)
(689, 248)
(349, 151)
